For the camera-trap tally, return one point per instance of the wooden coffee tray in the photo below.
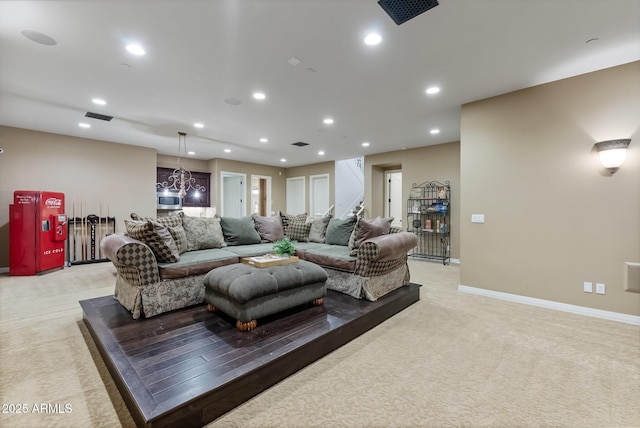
(264, 261)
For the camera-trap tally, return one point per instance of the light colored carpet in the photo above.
(452, 359)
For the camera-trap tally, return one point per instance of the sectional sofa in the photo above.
(161, 262)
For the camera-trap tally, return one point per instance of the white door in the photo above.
(393, 197)
(319, 194)
(232, 194)
(295, 195)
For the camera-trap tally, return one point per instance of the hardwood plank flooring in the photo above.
(188, 367)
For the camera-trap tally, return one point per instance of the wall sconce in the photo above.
(612, 153)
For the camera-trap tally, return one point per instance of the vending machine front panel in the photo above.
(50, 253)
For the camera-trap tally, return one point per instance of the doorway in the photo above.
(318, 194)
(261, 195)
(295, 195)
(232, 194)
(393, 196)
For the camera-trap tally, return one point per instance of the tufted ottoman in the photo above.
(247, 293)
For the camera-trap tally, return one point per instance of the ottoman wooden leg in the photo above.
(211, 308)
(318, 302)
(246, 326)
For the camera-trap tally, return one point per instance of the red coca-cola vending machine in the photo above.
(37, 231)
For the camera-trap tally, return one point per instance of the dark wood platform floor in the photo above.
(188, 367)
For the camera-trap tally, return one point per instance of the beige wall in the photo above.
(86, 171)
(216, 166)
(314, 169)
(440, 163)
(553, 220)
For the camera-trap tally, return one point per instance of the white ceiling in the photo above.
(201, 52)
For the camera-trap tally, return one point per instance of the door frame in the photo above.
(311, 190)
(268, 178)
(387, 204)
(304, 192)
(243, 206)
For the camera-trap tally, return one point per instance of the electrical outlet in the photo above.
(588, 287)
(599, 288)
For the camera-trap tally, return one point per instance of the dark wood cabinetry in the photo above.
(199, 195)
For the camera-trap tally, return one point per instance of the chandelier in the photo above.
(181, 179)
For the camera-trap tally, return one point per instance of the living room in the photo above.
(523, 158)
(535, 161)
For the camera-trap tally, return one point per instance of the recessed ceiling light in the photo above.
(259, 96)
(135, 49)
(227, 150)
(432, 90)
(321, 152)
(328, 121)
(192, 153)
(283, 160)
(99, 101)
(198, 125)
(365, 144)
(264, 140)
(373, 39)
(84, 125)
(435, 131)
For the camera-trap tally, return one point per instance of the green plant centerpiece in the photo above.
(284, 247)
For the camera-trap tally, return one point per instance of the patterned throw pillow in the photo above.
(298, 230)
(269, 228)
(171, 220)
(179, 235)
(157, 237)
(318, 230)
(203, 233)
(395, 229)
(339, 231)
(286, 218)
(366, 229)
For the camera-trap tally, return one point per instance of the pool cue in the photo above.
(75, 229)
(99, 212)
(83, 231)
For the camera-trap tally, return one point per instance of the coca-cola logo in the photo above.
(53, 202)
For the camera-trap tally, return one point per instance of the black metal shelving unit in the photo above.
(428, 216)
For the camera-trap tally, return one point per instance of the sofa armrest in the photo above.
(387, 247)
(133, 259)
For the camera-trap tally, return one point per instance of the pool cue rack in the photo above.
(85, 234)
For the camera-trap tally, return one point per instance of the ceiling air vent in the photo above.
(403, 10)
(98, 116)
(300, 144)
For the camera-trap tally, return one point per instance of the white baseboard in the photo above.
(549, 304)
(4, 269)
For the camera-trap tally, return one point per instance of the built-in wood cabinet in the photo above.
(200, 193)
